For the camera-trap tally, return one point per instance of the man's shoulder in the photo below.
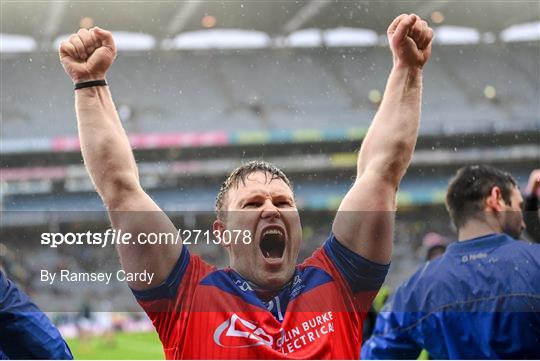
(525, 255)
(459, 276)
(450, 267)
(434, 284)
(524, 246)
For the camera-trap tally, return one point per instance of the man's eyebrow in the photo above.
(250, 194)
(282, 195)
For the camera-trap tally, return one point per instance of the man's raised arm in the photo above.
(365, 220)
(86, 56)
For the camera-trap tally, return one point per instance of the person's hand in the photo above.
(88, 54)
(410, 40)
(533, 186)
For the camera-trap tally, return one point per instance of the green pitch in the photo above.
(134, 346)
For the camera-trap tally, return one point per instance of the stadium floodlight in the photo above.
(13, 43)
(488, 38)
(343, 37)
(454, 35)
(522, 32)
(219, 39)
(305, 38)
(125, 41)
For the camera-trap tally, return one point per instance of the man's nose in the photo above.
(269, 210)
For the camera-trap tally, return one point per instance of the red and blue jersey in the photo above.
(200, 312)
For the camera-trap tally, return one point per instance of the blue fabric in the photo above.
(480, 300)
(232, 282)
(303, 281)
(25, 331)
(361, 274)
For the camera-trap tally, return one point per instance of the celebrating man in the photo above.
(264, 305)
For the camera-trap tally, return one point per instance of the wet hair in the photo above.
(240, 174)
(470, 186)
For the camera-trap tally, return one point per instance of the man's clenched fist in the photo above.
(533, 186)
(88, 54)
(410, 40)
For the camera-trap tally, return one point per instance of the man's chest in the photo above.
(314, 322)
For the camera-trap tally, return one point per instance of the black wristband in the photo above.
(91, 83)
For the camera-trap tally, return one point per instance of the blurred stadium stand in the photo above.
(164, 92)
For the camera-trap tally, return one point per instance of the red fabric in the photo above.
(205, 322)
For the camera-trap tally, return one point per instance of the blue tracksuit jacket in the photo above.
(480, 300)
(25, 331)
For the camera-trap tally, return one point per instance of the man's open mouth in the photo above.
(272, 243)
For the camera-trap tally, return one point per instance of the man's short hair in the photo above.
(240, 174)
(470, 186)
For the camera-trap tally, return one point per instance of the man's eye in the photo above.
(252, 205)
(284, 204)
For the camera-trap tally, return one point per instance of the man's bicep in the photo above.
(362, 278)
(141, 218)
(364, 222)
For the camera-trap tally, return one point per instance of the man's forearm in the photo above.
(388, 146)
(105, 147)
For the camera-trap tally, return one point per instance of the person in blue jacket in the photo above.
(25, 331)
(481, 299)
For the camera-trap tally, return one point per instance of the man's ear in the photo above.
(495, 201)
(219, 228)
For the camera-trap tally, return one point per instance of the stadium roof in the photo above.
(45, 21)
